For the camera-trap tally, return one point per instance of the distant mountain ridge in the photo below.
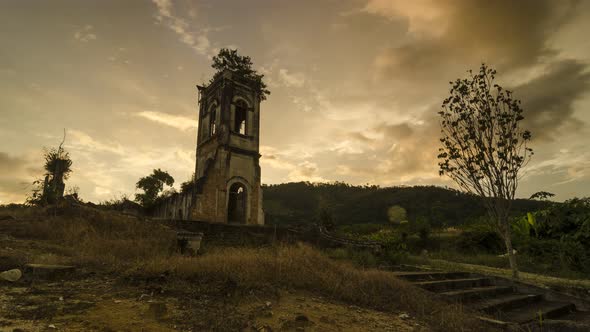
(300, 203)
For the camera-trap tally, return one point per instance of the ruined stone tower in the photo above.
(228, 171)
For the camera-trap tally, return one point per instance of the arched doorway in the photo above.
(236, 207)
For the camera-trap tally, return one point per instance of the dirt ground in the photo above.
(104, 304)
(91, 300)
(295, 311)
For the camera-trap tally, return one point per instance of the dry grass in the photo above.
(304, 268)
(99, 238)
(146, 250)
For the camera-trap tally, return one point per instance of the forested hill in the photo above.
(301, 202)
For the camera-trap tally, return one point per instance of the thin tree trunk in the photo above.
(510, 252)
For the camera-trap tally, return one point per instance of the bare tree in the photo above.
(484, 146)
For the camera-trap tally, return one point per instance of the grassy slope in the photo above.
(143, 251)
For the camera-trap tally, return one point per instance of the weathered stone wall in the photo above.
(225, 156)
(177, 206)
(209, 198)
(235, 234)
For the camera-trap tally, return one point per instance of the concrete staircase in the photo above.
(499, 300)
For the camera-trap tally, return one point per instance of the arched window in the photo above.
(236, 207)
(212, 119)
(240, 115)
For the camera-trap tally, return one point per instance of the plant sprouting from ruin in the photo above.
(484, 146)
(241, 65)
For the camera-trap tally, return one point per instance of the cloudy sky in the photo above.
(355, 85)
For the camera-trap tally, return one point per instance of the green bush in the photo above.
(560, 237)
(557, 255)
(395, 256)
(364, 258)
(571, 218)
(480, 240)
(421, 226)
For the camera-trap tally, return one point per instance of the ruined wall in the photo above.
(212, 199)
(177, 206)
(236, 234)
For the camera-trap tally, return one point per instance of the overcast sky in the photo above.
(355, 85)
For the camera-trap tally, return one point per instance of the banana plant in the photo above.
(522, 226)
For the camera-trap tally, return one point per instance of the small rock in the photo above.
(61, 298)
(117, 301)
(11, 275)
(268, 304)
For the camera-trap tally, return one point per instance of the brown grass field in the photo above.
(133, 250)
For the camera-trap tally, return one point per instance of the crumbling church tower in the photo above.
(228, 170)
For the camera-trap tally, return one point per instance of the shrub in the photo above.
(364, 258)
(421, 226)
(395, 256)
(558, 255)
(480, 240)
(561, 235)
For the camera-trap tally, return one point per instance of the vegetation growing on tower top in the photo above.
(241, 65)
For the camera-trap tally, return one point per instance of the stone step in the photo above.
(477, 293)
(429, 275)
(505, 302)
(440, 286)
(46, 271)
(537, 311)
